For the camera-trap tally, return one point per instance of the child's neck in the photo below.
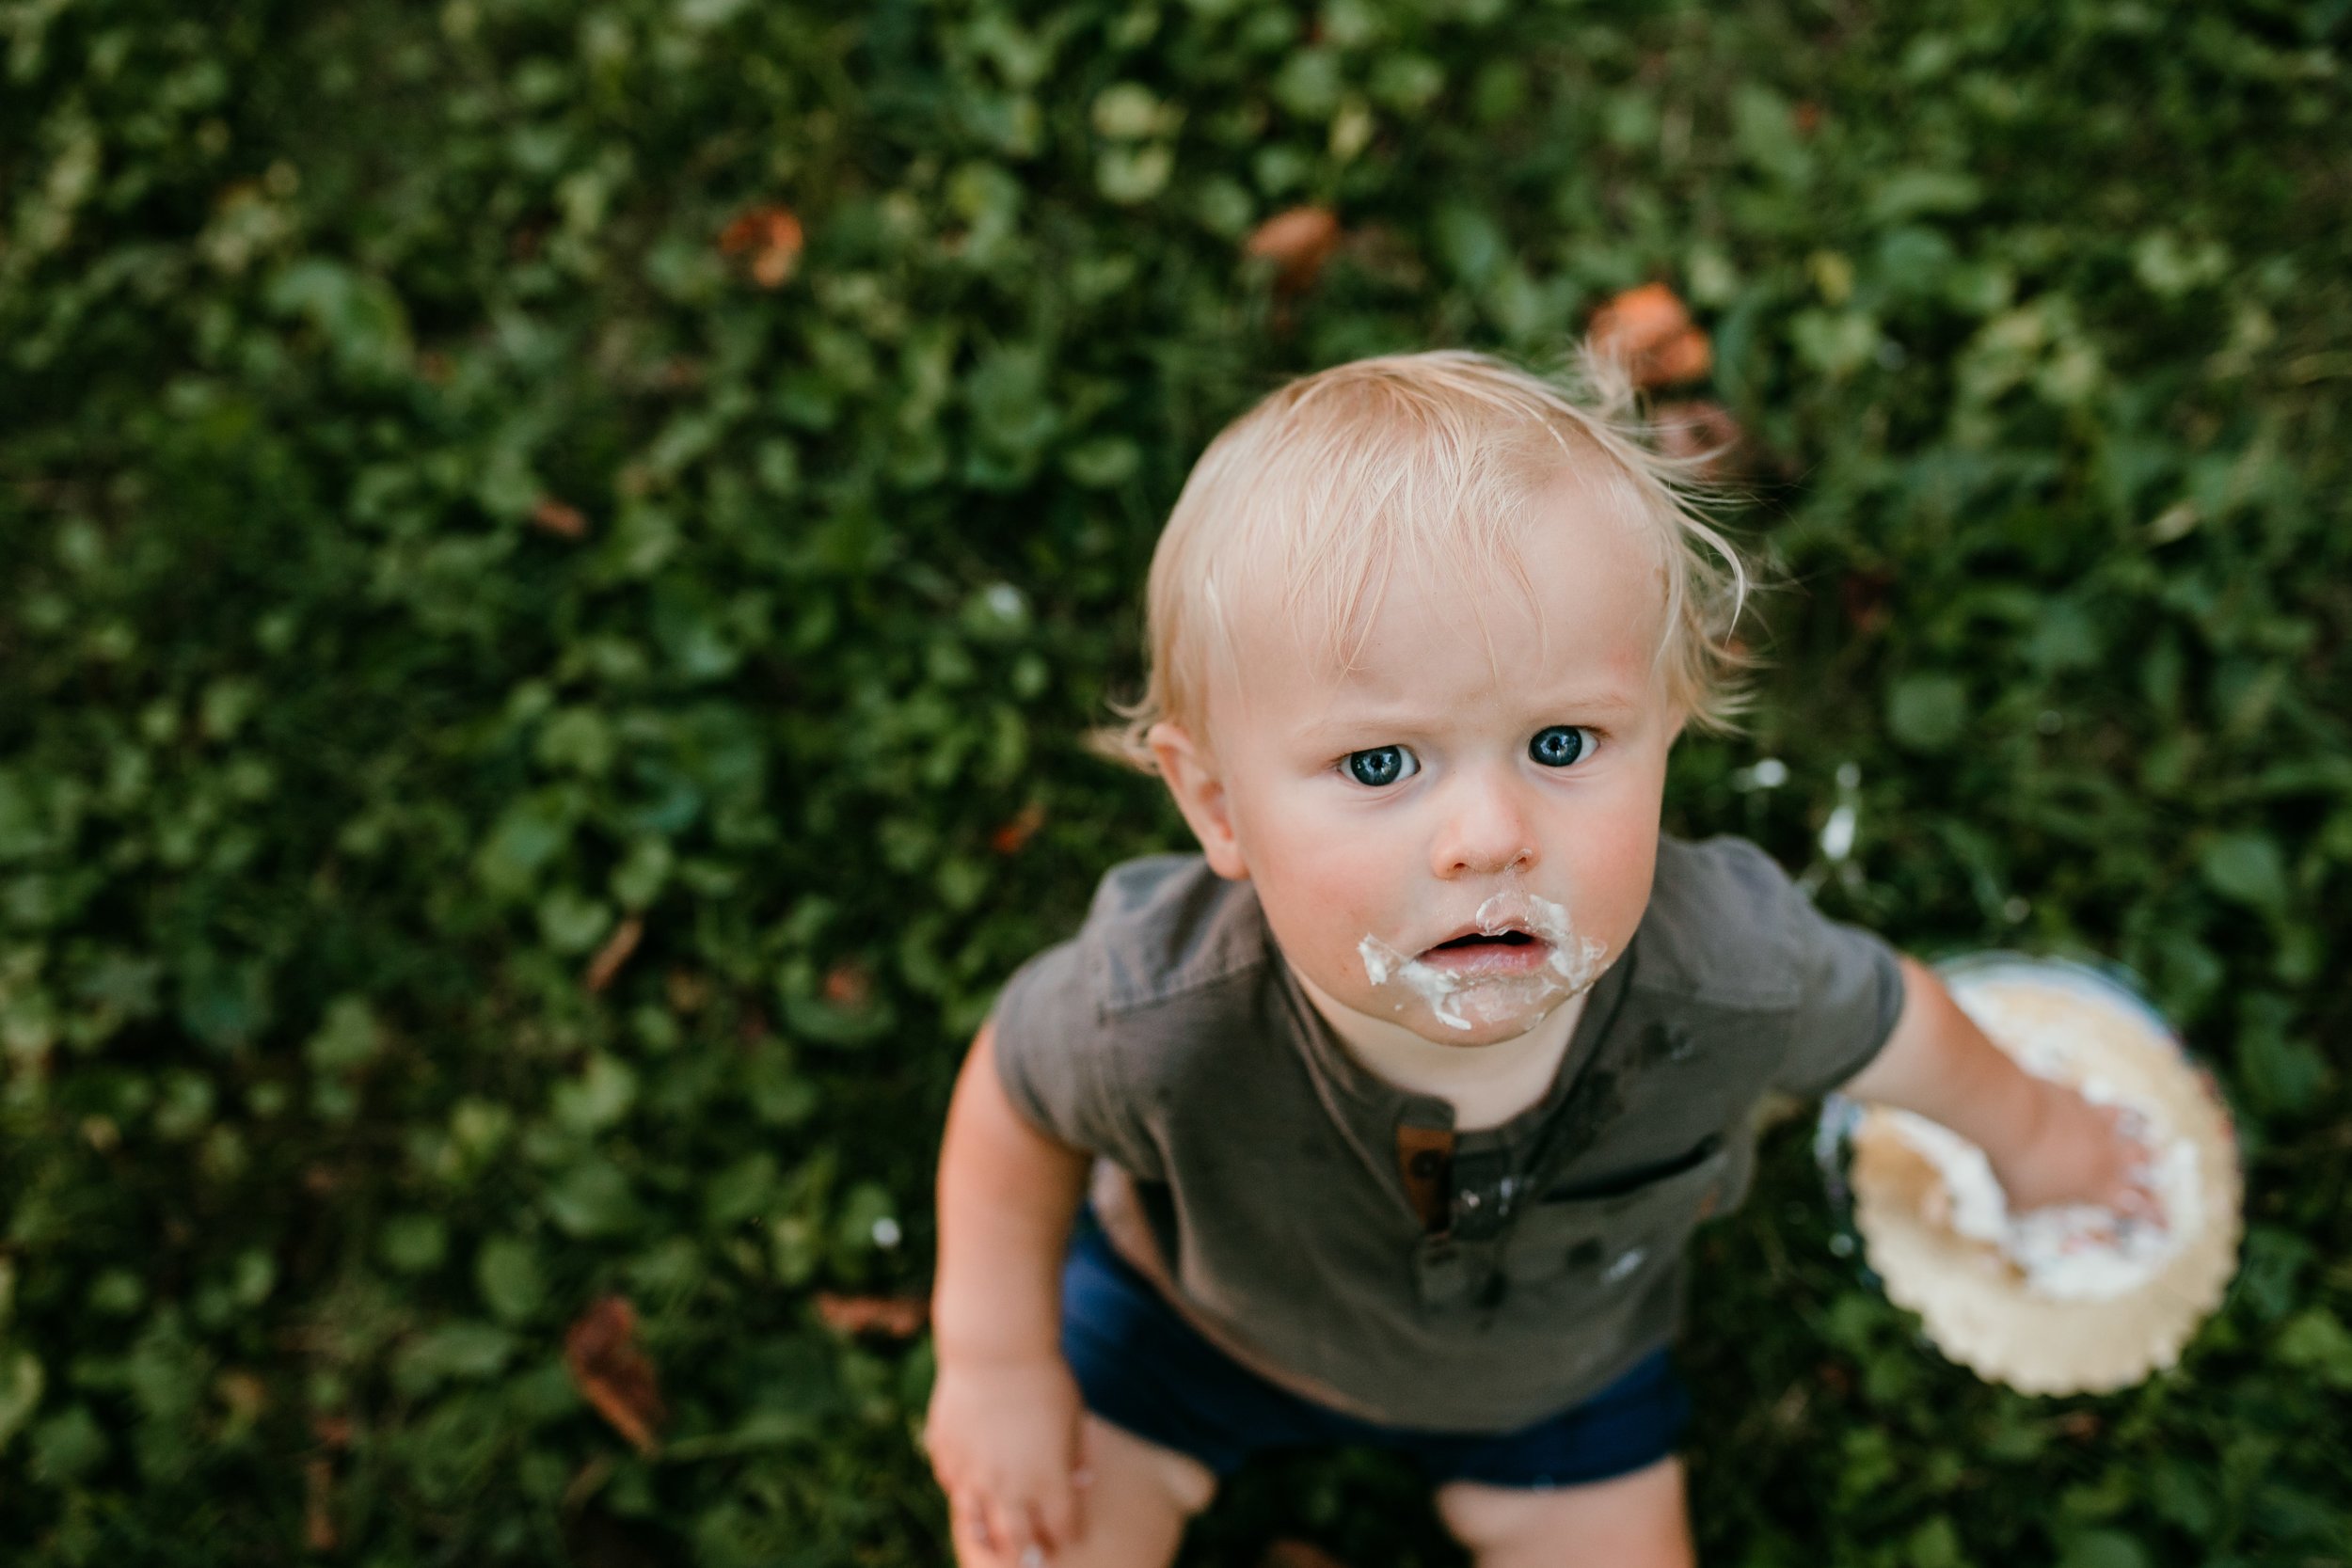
(1487, 1084)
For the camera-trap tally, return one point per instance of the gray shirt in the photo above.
(1333, 1231)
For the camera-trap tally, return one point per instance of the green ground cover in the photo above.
(426, 548)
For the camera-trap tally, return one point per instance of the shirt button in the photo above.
(1427, 1164)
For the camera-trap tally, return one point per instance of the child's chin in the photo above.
(1481, 1021)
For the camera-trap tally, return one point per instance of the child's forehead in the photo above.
(1577, 593)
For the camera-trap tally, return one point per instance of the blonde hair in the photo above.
(1425, 462)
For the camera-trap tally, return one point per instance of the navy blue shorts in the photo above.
(1143, 1368)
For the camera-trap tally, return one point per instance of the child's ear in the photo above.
(1193, 779)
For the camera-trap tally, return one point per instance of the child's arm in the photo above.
(2046, 1144)
(1003, 1429)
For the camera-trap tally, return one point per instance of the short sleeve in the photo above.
(1060, 1061)
(1851, 994)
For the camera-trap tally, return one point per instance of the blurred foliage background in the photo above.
(554, 556)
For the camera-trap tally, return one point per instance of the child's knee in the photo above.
(1127, 1461)
(1632, 1521)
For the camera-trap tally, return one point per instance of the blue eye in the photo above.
(1561, 745)
(1381, 766)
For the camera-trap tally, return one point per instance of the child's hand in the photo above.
(2080, 1153)
(1003, 1439)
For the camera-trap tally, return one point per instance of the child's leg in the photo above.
(1630, 1521)
(1133, 1511)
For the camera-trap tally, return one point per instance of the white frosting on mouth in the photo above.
(1464, 999)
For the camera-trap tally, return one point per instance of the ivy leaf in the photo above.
(21, 1381)
(2247, 868)
(506, 1271)
(1927, 713)
(2317, 1341)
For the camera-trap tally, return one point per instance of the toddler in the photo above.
(1386, 1118)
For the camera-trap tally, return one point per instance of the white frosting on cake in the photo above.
(2074, 1252)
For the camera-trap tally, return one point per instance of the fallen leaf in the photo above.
(1010, 836)
(1298, 242)
(1864, 596)
(318, 1504)
(847, 985)
(243, 1393)
(612, 1372)
(1702, 434)
(1651, 331)
(688, 992)
(558, 519)
(613, 953)
(771, 236)
(1290, 1552)
(894, 1317)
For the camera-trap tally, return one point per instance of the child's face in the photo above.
(1384, 811)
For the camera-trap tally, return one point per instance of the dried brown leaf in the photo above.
(1011, 836)
(847, 985)
(318, 1504)
(1298, 242)
(613, 953)
(1651, 331)
(612, 1373)
(893, 1317)
(558, 519)
(772, 237)
(1290, 1552)
(1700, 432)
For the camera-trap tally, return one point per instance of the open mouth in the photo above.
(1480, 940)
(1490, 952)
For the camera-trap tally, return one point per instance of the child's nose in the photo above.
(1485, 830)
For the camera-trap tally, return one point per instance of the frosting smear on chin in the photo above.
(1465, 999)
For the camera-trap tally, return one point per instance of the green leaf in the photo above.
(2247, 868)
(68, 1446)
(1310, 85)
(1129, 111)
(2316, 1341)
(739, 1192)
(600, 1096)
(592, 1197)
(2103, 1548)
(571, 921)
(21, 835)
(21, 1381)
(1910, 193)
(1936, 1544)
(525, 837)
(507, 1272)
(413, 1244)
(1927, 713)
(349, 1037)
(1130, 175)
(465, 1351)
(1468, 242)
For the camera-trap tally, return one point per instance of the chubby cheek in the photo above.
(1323, 893)
(1611, 862)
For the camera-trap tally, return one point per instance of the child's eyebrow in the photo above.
(1400, 716)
